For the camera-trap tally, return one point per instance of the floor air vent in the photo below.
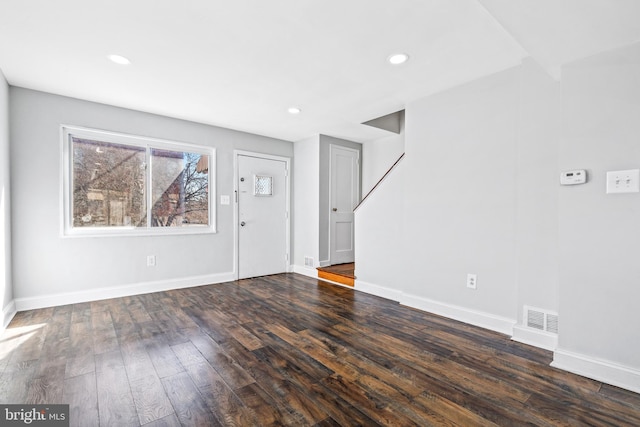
(542, 320)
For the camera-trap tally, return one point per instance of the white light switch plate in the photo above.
(224, 200)
(627, 181)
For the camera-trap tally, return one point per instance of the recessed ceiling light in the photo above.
(398, 58)
(119, 59)
(294, 110)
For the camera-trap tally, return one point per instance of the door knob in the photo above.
(242, 224)
(335, 209)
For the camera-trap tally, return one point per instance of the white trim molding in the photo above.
(598, 369)
(482, 319)
(489, 321)
(534, 337)
(52, 300)
(379, 291)
(7, 315)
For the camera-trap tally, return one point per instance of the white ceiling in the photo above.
(555, 32)
(240, 64)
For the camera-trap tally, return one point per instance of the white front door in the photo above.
(263, 224)
(345, 195)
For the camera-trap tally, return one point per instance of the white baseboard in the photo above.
(380, 291)
(489, 321)
(536, 338)
(7, 315)
(324, 263)
(306, 271)
(477, 318)
(597, 369)
(52, 300)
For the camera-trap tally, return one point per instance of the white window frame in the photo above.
(68, 230)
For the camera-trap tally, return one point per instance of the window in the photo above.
(125, 184)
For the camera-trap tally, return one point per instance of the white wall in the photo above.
(378, 156)
(482, 195)
(306, 184)
(599, 233)
(47, 264)
(539, 131)
(6, 289)
(379, 233)
(460, 206)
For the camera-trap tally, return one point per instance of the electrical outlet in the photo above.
(472, 280)
(151, 260)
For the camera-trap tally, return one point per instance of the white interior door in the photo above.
(345, 195)
(262, 216)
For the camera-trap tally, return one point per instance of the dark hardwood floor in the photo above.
(288, 350)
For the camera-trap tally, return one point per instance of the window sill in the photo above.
(132, 232)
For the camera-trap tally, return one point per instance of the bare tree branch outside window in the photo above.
(180, 193)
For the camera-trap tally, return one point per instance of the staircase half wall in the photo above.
(379, 236)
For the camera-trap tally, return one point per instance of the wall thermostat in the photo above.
(573, 177)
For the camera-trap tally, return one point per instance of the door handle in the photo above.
(335, 209)
(242, 224)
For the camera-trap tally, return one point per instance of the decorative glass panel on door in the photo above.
(263, 185)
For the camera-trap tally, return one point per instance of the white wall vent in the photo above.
(552, 323)
(543, 320)
(535, 319)
(308, 261)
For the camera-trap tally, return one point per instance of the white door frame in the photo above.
(236, 213)
(342, 147)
